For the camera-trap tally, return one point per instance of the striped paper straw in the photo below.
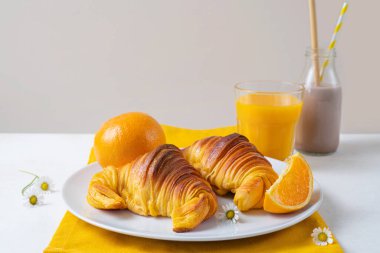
(333, 39)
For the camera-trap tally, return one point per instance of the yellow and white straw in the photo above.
(333, 39)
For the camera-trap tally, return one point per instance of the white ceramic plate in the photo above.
(252, 223)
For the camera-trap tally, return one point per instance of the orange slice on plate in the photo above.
(292, 190)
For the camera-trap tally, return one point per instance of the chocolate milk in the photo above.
(319, 126)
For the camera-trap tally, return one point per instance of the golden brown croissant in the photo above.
(232, 163)
(159, 183)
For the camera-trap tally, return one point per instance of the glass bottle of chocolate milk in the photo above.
(319, 126)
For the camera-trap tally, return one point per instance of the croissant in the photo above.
(159, 183)
(232, 163)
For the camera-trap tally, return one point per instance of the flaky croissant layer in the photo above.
(232, 163)
(159, 183)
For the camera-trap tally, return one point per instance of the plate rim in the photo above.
(300, 217)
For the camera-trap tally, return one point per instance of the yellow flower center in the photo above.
(33, 200)
(322, 237)
(44, 186)
(230, 214)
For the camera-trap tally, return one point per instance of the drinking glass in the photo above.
(267, 114)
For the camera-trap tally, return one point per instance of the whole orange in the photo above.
(123, 138)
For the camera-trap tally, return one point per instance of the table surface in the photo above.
(349, 179)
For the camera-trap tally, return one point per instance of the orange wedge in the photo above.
(292, 190)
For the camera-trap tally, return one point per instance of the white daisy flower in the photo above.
(322, 237)
(33, 197)
(229, 214)
(45, 184)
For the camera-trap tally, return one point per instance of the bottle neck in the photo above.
(326, 62)
(321, 55)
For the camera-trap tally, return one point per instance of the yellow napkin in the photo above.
(75, 235)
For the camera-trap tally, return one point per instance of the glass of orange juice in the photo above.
(267, 114)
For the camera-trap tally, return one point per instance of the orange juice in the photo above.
(268, 120)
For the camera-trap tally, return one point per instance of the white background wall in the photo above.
(66, 66)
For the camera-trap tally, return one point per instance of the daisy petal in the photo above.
(225, 208)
